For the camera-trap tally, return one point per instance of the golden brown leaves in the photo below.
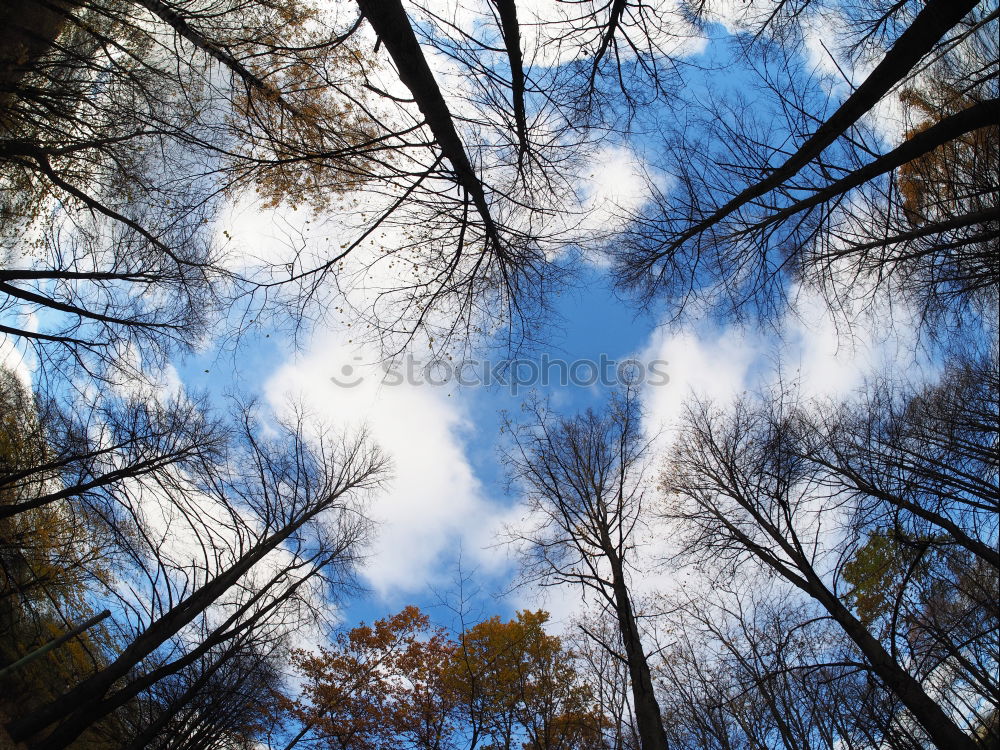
(303, 133)
(937, 182)
(404, 683)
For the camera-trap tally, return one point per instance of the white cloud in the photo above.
(612, 185)
(435, 505)
(823, 353)
(712, 365)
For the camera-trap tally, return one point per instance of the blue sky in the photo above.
(449, 495)
(449, 498)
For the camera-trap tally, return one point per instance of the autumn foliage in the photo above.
(404, 683)
(953, 176)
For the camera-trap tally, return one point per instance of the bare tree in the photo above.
(96, 236)
(755, 666)
(921, 460)
(126, 128)
(584, 480)
(746, 493)
(90, 449)
(286, 102)
(772, 196)
(226, 698)
(617, 57)
(597, 646)
(466, 197)
(268, 536)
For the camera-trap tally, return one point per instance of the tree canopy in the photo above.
(782, 569)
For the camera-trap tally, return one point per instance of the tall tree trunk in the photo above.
(607, 37)
(934, 21)
(799, 572)
(28, 29)
(392, 26)
(945, 734)
(647, 710)
(89, 713)
(512, 41)
(93, 690)
(156, 727)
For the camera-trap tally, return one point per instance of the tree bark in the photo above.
(391, 25)
(647, 709)
(512, 41)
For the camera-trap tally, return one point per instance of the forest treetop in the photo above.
(247, 181)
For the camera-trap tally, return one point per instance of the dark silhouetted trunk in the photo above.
(931, 24)
(512, 41)
(391, 25)
(78, 702)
